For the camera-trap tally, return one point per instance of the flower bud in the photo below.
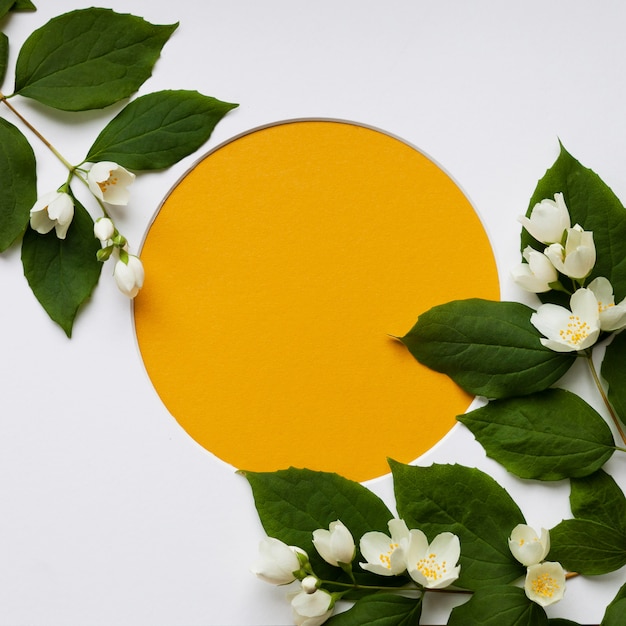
(103, 229)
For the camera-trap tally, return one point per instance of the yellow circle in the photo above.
(277, 272)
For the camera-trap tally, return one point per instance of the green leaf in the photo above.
(614, 372)
(23, 5)
(614, 615)
(558, 621)
(488, 348)
(18, 181)
(470, 504)
(598, 498)
(5, 7)
(88, 59)
(292, 503)
(594, 206)
(587, 547)
(550, 435)
(63, 272)
(381, 609)
(4, 55)
(502, 605)
(158, 130)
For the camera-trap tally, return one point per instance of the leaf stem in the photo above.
(39, 136)
(605, 399)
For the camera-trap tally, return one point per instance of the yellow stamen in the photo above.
(430, 568)
(545, 586)
(576, 331)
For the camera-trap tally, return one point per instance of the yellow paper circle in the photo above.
(278, 270)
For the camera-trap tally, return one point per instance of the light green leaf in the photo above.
(594, 206)
(468, 503)
(18, 181)
(292, 503)
(63, 273)
(598, 498)
(158, 130)
(88, 59)
(587, 547)
(488, 348)
(614, 372)
(380, 609)
(550, 435)
(502, 605)
(614, 615)
(4, 55)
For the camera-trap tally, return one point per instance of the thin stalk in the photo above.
(39, 136)
(605, 399)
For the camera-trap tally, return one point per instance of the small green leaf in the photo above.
(470, 504)
(63, 272)
(587, 547)
(594, 206)
(488, 348)
(550, 435)
(614, 372)
(4, 55)
(23, 5)
(158, 130)
(614, 615)
(381, 609)
(502, 605)
(18, 182)
(292, 503)
(88, 59)
(598, 498)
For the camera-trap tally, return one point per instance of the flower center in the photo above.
(385, 557)
(545, 586)
(431, 568)
(603, 307)
(575, 332)
(104, 185)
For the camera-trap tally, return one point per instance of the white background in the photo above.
(111, 514)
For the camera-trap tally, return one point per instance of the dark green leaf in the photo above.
(158, 130)
(63, 272)
(468, 503)
(488, 348)
(18, 181)
(23, 5)
(292, 503)
(614, 615)
(4, 55)
(5, 7)
(598, 498)
(614, 372)
(549, 435)
(88, 59)
(502, 605)
(557, 621)
(587, 547)
(381, 609)
(594, 206)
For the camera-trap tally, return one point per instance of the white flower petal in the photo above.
(336, 544)
(433, 566)
(109, 182)
(548, 220)
(545, 583)
(277, 562)
(129, 276)
(527, 547)
(52, 210)
(313, 604)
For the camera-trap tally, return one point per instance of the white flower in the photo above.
(433, 566)
(578, 257)
(109, 182)
(545, 583)
(612, 316)
(52, 210)
(312, 609)
(527, 547)
(386, 555)
(548, 220)
(335, 545)
(537, 273)
(129, 274)
(278, 563)
(103, 229)
(565, 330)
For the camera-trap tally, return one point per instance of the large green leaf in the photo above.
(550, 435)
(4, 56)
(381, 609)
(502, 605)
(488, 348)
(159, 129)
(63, 272)
(594, 206)
(614, 615)
(292, 503)
(587, 547)
(88, 59)
(18, 182)
(614, 372)
(468, 503)
(598, 498)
